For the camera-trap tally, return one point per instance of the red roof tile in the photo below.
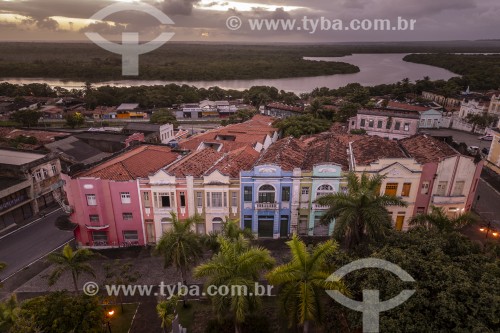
(372, 148)
(426, 149)
(235, 161)
(132, 164)
(288, 153)
(196, 163)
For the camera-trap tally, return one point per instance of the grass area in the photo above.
(122, 321)
(8, 123)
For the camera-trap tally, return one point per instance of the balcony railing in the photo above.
(448, 200)
(266, 205)
(320, 207)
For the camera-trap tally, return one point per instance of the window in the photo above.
(38, 174)
(94, 218)
(234, 199)
(147, 199)
(130, 236)
(370, 123)
(285, 194)
(183, 199)
(199, 199)
(405, 192)
(163, 200)
(125, 197)
(208, 199)
(324, 190)
(99, 236)
(54, 169)
(391, 189)
(362, 123)
(441, 189)
(305, 190)
(420, 210)
(379, 124)
(216, 199)
(425, 188)
(247, 194)
(247, 222)
(459, 188)
(45, 173)
(388, 124)
(266, 194)
(407, 127)
(127, 216)
(225, 199)
(397, 126)
(91, 200)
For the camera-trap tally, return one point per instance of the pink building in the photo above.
(449, 180)
(105, 198)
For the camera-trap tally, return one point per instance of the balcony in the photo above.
(448, 200)
(266, 205)
(319, 207)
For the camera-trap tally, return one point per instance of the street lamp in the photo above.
(110, 314)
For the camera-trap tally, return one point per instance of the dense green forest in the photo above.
(479, 71)
(174, 62)
(193, 62)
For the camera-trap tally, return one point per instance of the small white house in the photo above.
(430, 119)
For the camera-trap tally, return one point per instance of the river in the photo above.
(375, 69)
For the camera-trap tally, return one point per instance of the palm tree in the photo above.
(7, 313)
(303, 281)
(236, 265)
(361, 212)
(438, 220)
(167, 312)
(180, 246)
(73, 261)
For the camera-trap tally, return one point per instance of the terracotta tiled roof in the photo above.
(132, 164)
(238, 135)
(426, 149)
(286, 107)
(407, 107)
(372, 148)
(195, 164)
(327, 148)
(232, 163)
(43, 137)
(288, 153)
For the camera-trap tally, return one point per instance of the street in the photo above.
(468, 138)
(26, 245)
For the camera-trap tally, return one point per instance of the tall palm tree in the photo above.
(235, 265)
(438, 220)
(303, 281)
(362, 211)
(167, 312)
(180, 246)
(75, 262)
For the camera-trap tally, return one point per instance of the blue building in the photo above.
(266, 200)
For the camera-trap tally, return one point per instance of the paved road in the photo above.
(26, 245)
(468, 138)
(488, 205)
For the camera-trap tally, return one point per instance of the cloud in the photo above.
(179, 7)
(104, 28)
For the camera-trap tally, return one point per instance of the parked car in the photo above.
(486, 138)
(485, 151)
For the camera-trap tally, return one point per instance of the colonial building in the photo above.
(105, 198)
(449, 180)
(280, 110)
(374, 155)
(493, 160)
(29, 182)
(392, 124)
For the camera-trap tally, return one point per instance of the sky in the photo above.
(205, 20)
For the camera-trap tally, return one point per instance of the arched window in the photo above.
(267, 194)
(217, 224)
(324, 190)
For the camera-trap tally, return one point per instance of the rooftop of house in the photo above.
(234, 136)
(289, 153)
(329, 148)
(426, 149)
(41, 136)
(369, 149)
(127, 107)
(18, 158)
(390, 113)
(142, 127)
(6, 182)
(137, 162)
(235, 161)
(102, 136)
(286, 107)
(195, 164)
(77, 150)
(405, 106)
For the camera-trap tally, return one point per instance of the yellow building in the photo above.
(493, 161)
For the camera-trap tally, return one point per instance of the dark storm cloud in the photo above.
(437, 19)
